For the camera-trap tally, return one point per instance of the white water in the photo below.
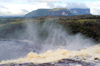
(87, 55)
(32, 41)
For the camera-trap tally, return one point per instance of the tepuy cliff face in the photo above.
(79, 11)
(57, 12)
(50, 12)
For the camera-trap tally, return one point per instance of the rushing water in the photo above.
(12, 49)
(88, 55)
(33, 40)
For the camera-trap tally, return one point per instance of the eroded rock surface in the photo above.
(63, 62)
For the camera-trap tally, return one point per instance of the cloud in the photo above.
(3, 13)
(5, 0)
(94, 7)
(95, 11)
(24, 10)
(52, 5)
(20, 9)
(46, 0)
(75, 5)
(3, 7)
(30, 0)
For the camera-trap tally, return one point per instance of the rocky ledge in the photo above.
(63, 62)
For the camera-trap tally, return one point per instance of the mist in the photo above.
(51, 35)
(40, 37)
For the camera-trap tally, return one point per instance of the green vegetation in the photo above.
(88, 25)
(9, 27)
(57, 9)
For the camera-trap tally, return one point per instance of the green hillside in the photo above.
(88, 25)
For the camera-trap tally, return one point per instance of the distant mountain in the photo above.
(50, 12)
(79, 11)
(58, 12)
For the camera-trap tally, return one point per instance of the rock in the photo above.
(63, 62)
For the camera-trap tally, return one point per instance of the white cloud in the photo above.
(21, 9)
(75, 5)
(30, 0)
(5, 0)
(24, 10)
(46, 0)
(94, 7)
(95, 11)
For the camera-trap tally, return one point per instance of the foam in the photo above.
(56, 55)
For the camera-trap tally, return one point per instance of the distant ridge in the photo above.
(57, 12)
(49, 12)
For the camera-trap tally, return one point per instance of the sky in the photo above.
(22, 7)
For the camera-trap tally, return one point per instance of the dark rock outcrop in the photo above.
(63, 62)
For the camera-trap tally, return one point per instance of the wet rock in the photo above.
(71, 62)
(63, 62)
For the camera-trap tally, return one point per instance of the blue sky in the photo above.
(22, 7)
